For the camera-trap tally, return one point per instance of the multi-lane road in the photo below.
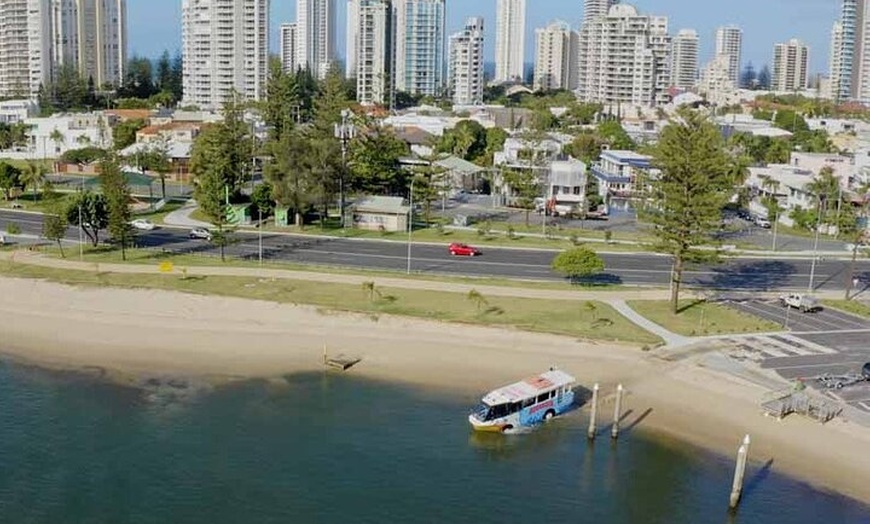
(749, 274)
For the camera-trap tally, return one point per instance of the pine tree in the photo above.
(688, 194)
(117, 194)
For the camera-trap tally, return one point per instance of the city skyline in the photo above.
(155, 26)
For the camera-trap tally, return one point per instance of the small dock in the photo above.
(341, 362)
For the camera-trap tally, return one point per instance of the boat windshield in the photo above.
(485, 412)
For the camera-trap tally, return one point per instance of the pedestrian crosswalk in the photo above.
(761, 347)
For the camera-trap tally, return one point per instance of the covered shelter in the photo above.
(381, 213)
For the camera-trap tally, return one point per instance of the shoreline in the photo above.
(146, 333)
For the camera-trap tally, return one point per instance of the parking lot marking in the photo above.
(817, 348)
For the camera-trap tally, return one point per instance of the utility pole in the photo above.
(410, 223)
(344, 132)
(815, 247)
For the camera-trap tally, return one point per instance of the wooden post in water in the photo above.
(324, 354)
(593, 413)
(614, 432)
(739, 472)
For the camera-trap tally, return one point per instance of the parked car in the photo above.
(142, 224)
(2, 239)
(805, 303)
(762, 222)
(463, 250)
(200, 233)
(865, 371)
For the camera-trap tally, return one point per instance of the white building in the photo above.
(315, 35)
(14, 49)
(420, 46)
(592, 9)
(16, 111)
(510, 41)
(101, 40)
(225, 45)
(624, 58)
(465, 64)
(856, 21)
(556, 57)
(729, 42)
(717, 85)
(845, 51)
(790, 66)
(684, 59)
(288, 48)
(371, 35)
(566, 183)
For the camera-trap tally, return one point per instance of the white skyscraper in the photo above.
(556, 58)
(623, 58)
(370, 46)
(466, 64)
(315, 35)
(288, 42)
(420, 46)
(729, 41)
(101, 34)
(856, 22)
(684, 59)
(835, 64)
(790, 66)
(510, 40)
(225, 45)
(592, 9)
(14, 49)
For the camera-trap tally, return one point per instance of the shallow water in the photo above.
(329, 448)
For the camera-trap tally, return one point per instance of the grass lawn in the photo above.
(699, 318)
(28, 203)
(850, 306)
(587, 320)
(155, 256)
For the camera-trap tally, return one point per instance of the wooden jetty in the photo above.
(340, 362)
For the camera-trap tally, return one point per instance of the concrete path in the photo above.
(181, 217)
(672, 340)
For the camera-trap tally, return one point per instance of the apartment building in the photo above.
(790, 66)
(225, 46)
(556, 57)
(315, 35)
(371, 50)
(14, 49)
(465, 64)
(684, 59)
(510, 40)
(623, 58)
(288, 36)
(729, 42)
(420, 46)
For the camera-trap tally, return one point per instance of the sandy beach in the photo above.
(158, 332)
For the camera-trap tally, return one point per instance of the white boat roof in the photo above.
(529, 387)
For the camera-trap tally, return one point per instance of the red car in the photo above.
(463, 250)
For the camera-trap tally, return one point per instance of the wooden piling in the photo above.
(614, 432)
(594, 412)
(739, 472)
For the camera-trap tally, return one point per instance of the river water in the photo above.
(328, 448)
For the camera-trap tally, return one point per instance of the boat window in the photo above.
(529, 402)
(553, 394)
(515, 407)
(543, 396)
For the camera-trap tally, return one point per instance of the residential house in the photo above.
(381, 213)
(566, 185)
(622, 173)
(16, 111)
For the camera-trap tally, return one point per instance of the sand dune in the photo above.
(159, 332)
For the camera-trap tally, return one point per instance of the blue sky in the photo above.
(154, 25)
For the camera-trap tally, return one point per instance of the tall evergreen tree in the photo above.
(688, 195)
(117, 194)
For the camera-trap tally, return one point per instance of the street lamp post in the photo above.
(815, 248)
(81, 225)
(260, 233)
(344, 132)
(410, 223)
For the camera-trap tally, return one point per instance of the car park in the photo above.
(199, 233)
(142, 224)
(463, 250)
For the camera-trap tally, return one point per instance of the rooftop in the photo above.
(529, 387)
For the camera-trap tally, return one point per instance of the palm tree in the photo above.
(58, 138)
(863, 193)
(34, 176)
(824, 187)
